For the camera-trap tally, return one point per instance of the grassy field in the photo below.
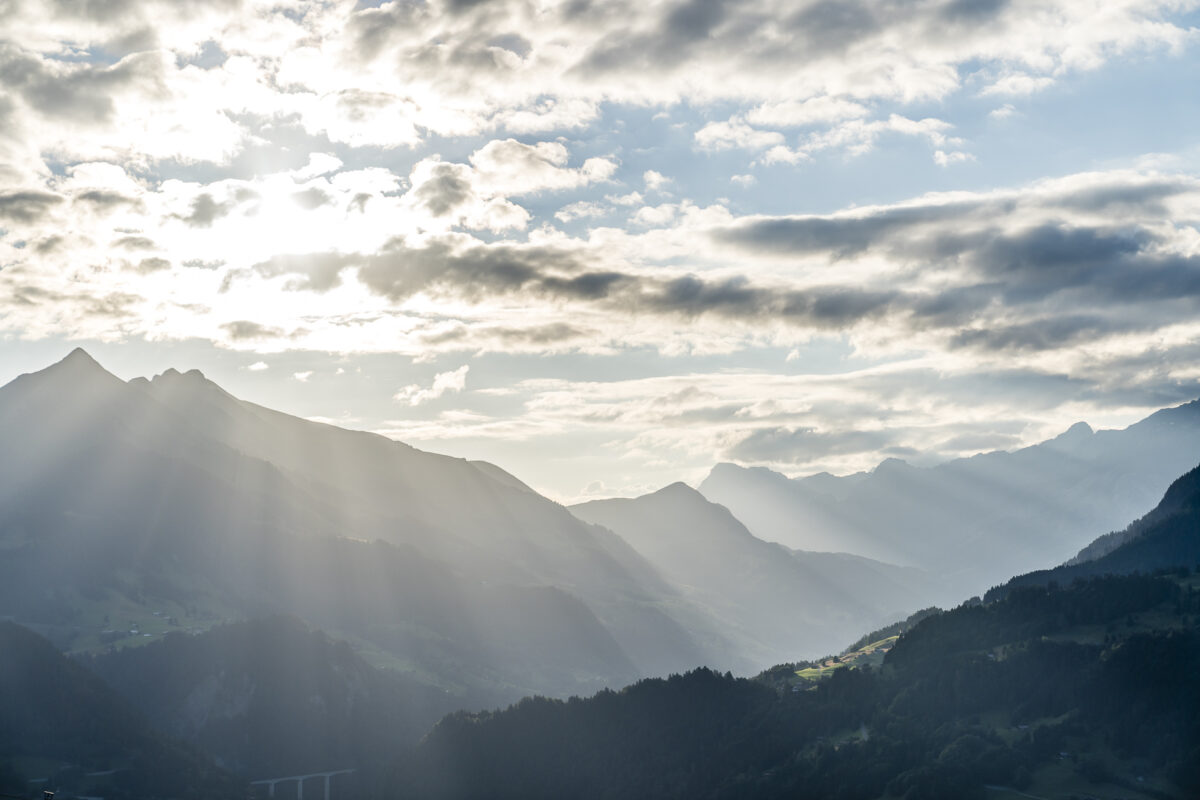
(871, 654)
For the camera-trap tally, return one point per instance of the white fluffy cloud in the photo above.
(443, 383)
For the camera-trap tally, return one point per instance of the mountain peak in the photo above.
(1077, 431)
(79, 359)
(193, 380)
(78, 365)
(892, 466)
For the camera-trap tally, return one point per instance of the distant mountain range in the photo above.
(1080, 681)
(192, 549)
(777, 604)
(1166, 538)
(122, 499)
(973, 522)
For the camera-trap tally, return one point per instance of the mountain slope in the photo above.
(121, 498)
(976, 521)
(1166, 538)
(1019, 694)
(270, 697)
(779, 604)
(53, 711)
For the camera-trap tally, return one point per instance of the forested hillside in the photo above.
(271, 697)
(62, 728)
(1089, 689)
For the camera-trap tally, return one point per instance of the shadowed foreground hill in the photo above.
(271, 697)
(1059, 692)
(65, 723)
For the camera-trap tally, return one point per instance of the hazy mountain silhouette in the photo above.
(171, 494)
(82, 737)
(1079, 680)
(975, 521)
(1166, 538)
(777, 604)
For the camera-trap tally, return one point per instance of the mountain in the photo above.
(122, 499)
(777, 604)
(972, 522)
(1018, 697)
(270, 697)
(1166, 538)
(64, 726)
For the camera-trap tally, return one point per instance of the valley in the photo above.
(265, 597)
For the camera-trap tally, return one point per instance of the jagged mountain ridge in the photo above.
(171, 490)
(781, 604)
(975, 521)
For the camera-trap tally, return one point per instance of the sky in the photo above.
(607, 245)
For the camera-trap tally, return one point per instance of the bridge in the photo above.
(300, 779)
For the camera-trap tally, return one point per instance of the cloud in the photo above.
(258, 366)
(303, 376)
(945, 159)
(443, 383)
(655, 181)
(152, 264)
(988, 271)
(205, 211)
(475, 195)
(735, 133)
(805, 445)
(244, 329)
(27, 206)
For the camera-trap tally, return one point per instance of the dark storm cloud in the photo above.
(27, 205)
